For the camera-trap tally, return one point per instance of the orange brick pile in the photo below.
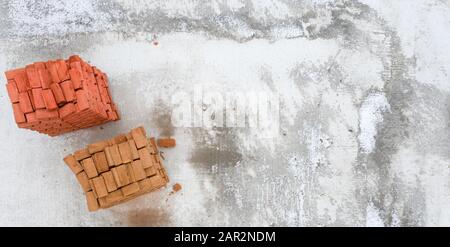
(59, 96)
(113, 171)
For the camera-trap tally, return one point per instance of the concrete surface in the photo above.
(364, 131)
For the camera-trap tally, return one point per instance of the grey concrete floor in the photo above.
(363, 136)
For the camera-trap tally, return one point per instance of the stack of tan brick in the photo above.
(59, 96)
(114, 171)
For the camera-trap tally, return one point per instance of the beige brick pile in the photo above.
(117, 170)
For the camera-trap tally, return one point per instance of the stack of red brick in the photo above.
(59, 96)
(117, 170)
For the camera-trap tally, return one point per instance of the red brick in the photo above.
(10, 74)
(82, 100)
(100, 81)
(53, 70)
(74, 58)
(49, 99)
(46, 87)
(62, 70)
(75, 74)
(30, 96)
(95, 90)
(25, 103)
(44, 114)
(19, 76)
(88, 68)
(67, 110)
(18, 114)
(37, 98)
(13, 92)
(68, 90)
(104, 95)
(58, 93)
(39, 66)
(33, 76)
(31, 117)
(44, 75)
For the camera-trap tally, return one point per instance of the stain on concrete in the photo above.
(148, 217)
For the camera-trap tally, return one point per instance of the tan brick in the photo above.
(73, 164)
(125, 152)
(83, 180)
(157, 181)
(121, 176)
(115, 154)
(109, 157)
(133, 149)
(92, 202)
(151, 171)
(144, 155)
(109, 181)
(138, 170)
(139, 137)
(97, 147)
(146, 184)
(91, 184)
(120, 139)
(114, 197)
(153, 148)
(81, 154)
(89, 167)
(101, 162)
(130, 189)
(100, 186)
(131, 173)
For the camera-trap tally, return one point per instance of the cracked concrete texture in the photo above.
(364, 135)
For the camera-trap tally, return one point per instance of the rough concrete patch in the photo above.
(215, 147)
